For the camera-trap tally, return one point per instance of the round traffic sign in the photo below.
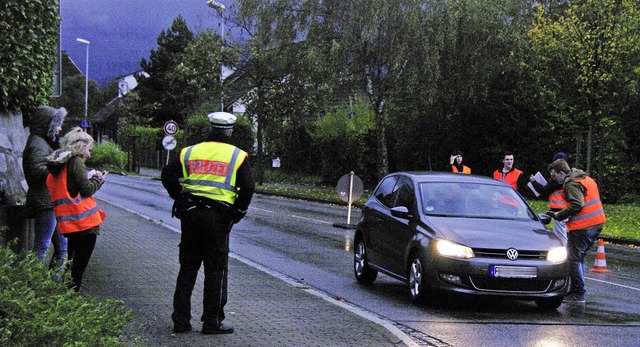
(169, 142)
(349, 184)
(171, 128)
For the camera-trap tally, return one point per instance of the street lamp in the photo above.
(85, 123)
(220, 8)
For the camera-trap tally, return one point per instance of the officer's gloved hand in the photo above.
(238, 215)
(551, 214)
(177, 208)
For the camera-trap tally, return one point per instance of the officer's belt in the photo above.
(193, 201)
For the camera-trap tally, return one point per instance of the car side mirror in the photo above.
(401, 212)
(544, 218)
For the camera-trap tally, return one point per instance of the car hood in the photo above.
(495, 233)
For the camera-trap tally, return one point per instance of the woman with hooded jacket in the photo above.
(72, 189)
(45, 125)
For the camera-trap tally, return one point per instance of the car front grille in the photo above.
(515, 285)
(502, 253)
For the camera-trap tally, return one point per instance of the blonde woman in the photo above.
(72, 189)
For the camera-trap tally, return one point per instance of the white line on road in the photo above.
(613, 284)
(294, 216)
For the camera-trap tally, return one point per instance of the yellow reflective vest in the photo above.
(209, 170)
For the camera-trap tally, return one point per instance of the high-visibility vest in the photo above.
(511, 177)
(465, 169)
(209, 170)
(73, 214)
(592, 212)
(557, 201)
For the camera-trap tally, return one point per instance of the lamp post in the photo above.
(220, 8)
(85, 123)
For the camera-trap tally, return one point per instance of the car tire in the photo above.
(549, 303)
(364, 274)
(418, 288)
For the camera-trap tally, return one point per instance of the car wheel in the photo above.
(550, 303)
(364, 274)
(418, 288)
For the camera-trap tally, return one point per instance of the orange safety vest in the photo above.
(511, 177)
(73, 214)
(592, 213)
(465, 169)
(556, 200)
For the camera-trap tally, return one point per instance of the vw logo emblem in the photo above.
(512, 254)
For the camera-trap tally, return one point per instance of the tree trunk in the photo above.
(589, 147)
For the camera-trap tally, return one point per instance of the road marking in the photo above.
(294, 216)
(613, 284)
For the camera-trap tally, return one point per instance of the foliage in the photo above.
(197, 128)
(28, 45)
(107, 156)
(36, 311)
(587, 60)
(343, 137)
(165, 87)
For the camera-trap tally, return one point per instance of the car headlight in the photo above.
(557, 255)
(450, 249)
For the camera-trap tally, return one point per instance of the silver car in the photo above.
(442, 232)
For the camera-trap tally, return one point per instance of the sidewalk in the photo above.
(136, 261)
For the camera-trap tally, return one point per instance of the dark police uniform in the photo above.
(215, 193)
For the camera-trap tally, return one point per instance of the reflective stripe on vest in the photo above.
(72, 214)
(592, 212)
(556, 200)
(210, 169)
(511, 177)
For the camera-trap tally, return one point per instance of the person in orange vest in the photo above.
(586, 219)
(553, 191)
(72, 188)
(456, 163)
(215, 193)
(510, 174)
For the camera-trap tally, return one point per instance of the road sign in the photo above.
(171, 128)
(349, 189)
(169, 142)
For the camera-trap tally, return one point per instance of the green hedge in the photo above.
(107, 156)
(36, 311)
(28, 42)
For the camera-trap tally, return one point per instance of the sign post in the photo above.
(169, 142)
(349, 189)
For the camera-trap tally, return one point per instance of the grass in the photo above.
(623, 220)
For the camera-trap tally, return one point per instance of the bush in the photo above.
(107, 156)
(36, 311)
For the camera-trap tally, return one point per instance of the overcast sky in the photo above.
(122, 32)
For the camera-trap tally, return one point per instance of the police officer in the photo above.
(216, 192)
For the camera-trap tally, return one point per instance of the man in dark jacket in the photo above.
(217, 189)
(44, 128)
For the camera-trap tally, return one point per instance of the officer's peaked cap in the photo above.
(222, 120)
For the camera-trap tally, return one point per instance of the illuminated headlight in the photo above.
(454, 250)
(557, 255)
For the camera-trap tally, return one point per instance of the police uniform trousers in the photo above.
(204, 240)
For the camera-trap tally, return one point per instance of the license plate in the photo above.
(513, 271)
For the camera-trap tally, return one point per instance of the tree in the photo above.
(586, 60)
(165, 86)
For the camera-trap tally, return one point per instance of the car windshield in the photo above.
(473, 200)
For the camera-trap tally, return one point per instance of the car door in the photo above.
(376, 217)
(401, 229)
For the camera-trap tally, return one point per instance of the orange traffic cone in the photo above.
(601, 260)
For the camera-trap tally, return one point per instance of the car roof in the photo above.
(434, 176)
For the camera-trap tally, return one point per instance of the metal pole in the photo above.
(350, 196)
(85, 123)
